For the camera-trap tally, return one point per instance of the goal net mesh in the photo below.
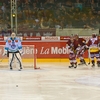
(29, 56)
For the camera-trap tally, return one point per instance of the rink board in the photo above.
(44, 60)
(46, 51)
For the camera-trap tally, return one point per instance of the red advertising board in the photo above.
(31, 38)
(1, 38)
(45, 49)
(64, 37)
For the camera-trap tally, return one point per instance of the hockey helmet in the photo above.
(93, 35)
(76, 36)
(72, 38)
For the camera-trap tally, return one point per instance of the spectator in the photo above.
(44, 24)
(51, 13)
(3, 8)
(68, 4)
(86, 26)
(69, 25)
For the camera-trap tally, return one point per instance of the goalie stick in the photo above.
(2, 58)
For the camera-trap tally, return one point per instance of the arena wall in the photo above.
(48, 49)
(79, 31)
(51, 44)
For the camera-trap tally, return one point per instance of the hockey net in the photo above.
(29, 57)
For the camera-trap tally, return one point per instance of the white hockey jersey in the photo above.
(93, 44)
(13, 45)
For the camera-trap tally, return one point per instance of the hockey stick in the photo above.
(89, 57)
(2, 58)
(89, 62)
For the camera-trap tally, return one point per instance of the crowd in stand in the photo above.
(36, 14)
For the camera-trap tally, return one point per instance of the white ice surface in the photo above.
(54, 81)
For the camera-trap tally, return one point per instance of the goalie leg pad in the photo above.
(18, 60)
(11, 58)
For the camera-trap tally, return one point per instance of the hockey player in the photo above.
(93, 44)
(81, 48)
(72, 52)
(13, 49)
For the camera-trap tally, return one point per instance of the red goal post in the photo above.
(29, 56)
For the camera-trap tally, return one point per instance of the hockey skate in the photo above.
(82, 62)
(11, 68)
(71, 66)
(98, 64)
(37, 68)
(93, 65)
(75, 66)
(20, 69)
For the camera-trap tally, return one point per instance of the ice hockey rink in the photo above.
(54, 81)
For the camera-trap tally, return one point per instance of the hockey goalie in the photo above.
(13, 50)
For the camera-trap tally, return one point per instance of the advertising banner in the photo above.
(64, 37)
(1, 38)
(49, 49)
(50, 38)
(32, 38)
(44, 49)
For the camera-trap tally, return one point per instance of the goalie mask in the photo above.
(13, 35)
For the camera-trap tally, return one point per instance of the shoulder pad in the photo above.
(8, 39)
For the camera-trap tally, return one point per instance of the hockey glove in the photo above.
(5, 53)
(21, 52)
(86, 47)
